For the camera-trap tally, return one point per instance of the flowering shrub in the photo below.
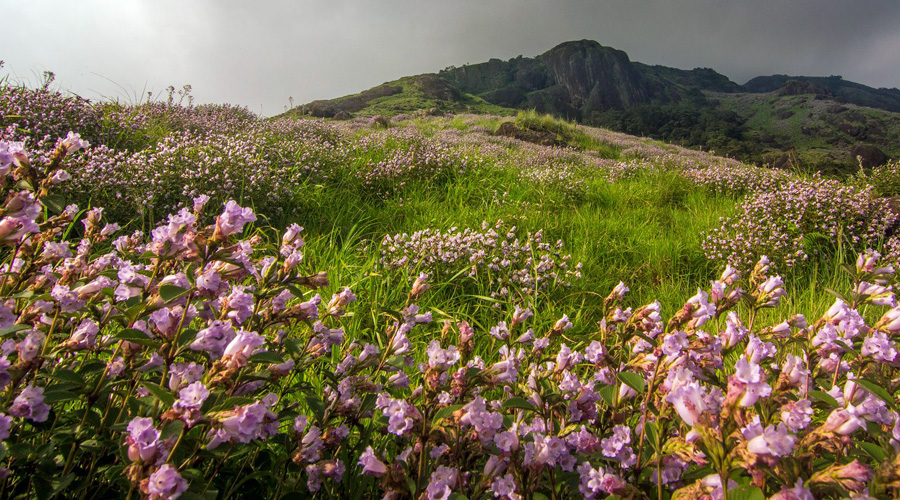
(42, 115)
(493, 254)
(180, 167)
(726, 178)
(396, 157)
(775, 223)
(886, 178)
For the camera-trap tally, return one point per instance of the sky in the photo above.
(261, 53)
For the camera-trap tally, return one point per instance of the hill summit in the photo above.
(814, 123)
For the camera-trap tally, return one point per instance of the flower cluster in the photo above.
(399, 156)
(494, 254)
(737, 179)
(779, 223)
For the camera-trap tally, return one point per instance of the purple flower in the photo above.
(594, 483)
(339, 301)
(441, 359)
(246, 423)
(485, 423)
(504, 486)
(142, 440)
(879, 347)
(613, 445)
(595, 352)
(400, 414)
(689, 401)
(84, 336)
(14, 228)
(507, 441)
(30, 404)
(794, 370)
(189, 401)
(674, 343)
(441, 483)
(844, 421)
(239, 305)
(5, 426)
(701, 309)
(583, 441)
(562, 324)
(773, 441)
(370, 463)
(166, 484)
(757, 350)
(750, 380)
(68, 300)
(798, 492)
(244, 345)
(214, 338)
(797, 415)
(73, 142)
(232, 219)
(183, 374)
(500, 331)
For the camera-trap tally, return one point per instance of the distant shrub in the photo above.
(394, 157)
(40, 116)
(775, 223)
(493, 255)
(183, 165)
(886, 178)
(737, 179)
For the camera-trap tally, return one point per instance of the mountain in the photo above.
(816, 123)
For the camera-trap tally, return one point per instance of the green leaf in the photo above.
(445, 412)
(187, 336)
(608, 393)
(56, 203)
(825, 398)
(13, 329)
(66, 375)
(267, 357)
(837, 294)
(878, 391)
(632, 380)
(62, 396)
(746, 492)
(171, 292)
(161, 394)
(458, 496)
(874, 450)
(136, 337)
(316, 405)
(520, 403)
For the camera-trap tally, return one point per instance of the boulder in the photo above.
(868, 155)
(509, 129)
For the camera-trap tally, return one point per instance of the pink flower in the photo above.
(30, 404)
(371, 464)
(233, 219)
(689, 402)
(166, 484)
(774, 441)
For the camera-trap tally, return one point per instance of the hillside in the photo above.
(585, 82)
(403, 307)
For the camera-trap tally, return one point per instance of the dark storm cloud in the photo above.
(260, 53)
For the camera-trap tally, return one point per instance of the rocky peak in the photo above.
(596, 77)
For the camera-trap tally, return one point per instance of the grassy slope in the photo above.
(802, 122)
(645, 231)
(413, 98)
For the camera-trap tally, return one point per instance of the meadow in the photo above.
(196, 302)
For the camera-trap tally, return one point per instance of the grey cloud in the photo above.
(259, 53)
